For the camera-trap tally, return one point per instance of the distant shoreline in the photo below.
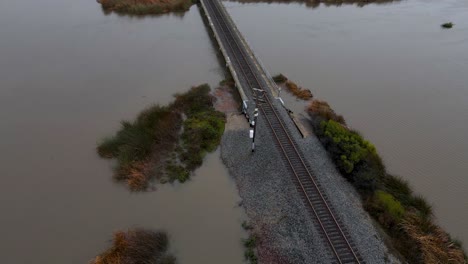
(145, 7)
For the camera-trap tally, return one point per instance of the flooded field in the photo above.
(68, 75)
(393, 73)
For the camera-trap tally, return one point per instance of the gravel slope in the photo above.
(286, 232)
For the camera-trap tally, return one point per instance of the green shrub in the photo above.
(347, 148)
(365, 180)
(202, 134)
(390, 204)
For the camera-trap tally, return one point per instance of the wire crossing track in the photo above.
(332, 229)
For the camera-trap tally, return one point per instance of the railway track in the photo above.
(332, 229)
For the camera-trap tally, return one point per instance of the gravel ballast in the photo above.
(285, 231)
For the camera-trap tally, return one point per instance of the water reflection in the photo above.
(317, 3)
(177, 14)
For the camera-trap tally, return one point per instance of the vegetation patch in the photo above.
(137, 246)
(250, 244)
(406, 217)
(165, 142)
(296, 90)
(145, 7)
(280, 78)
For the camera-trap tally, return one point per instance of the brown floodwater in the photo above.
(393, 73)
(68, 75)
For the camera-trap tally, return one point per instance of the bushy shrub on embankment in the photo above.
(406, 217)
(154, 140)
(135, 247)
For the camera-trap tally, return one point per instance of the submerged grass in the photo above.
(406, 217)
(137, 246)
(143, 145)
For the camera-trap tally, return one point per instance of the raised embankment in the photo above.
(254, 82)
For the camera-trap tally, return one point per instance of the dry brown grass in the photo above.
(299, 92)
(136, 246)
(323, 109)
(435, 244)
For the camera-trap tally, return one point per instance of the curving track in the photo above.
(332, 229)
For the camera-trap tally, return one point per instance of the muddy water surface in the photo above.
(68, 75)
(393, 73)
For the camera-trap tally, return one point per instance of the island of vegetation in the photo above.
(135, 247)
(165, 143)
(145, 7)
(447, 25)
(407, 218)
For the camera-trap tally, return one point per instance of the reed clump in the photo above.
(299, 92)
(137, 246)
(407, 218)
(145, 7)
(165, 142)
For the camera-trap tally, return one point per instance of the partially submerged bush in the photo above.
(155, 129)
(280, 78)
(137, 246)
